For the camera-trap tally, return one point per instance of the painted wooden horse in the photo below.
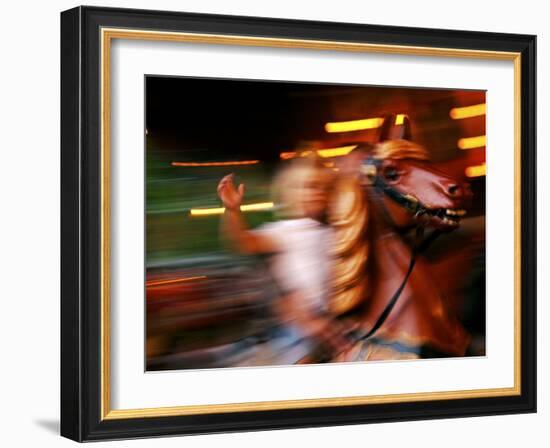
(384, 217)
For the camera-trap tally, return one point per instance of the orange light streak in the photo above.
(232, 163)
(476, 170)
(459, 113)
(173, 280)
(325, 153)
(400, 119)
(354, 125)
(472, 142)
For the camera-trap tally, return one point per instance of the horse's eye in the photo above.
(391, 174)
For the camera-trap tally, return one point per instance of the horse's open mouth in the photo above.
(446, 217)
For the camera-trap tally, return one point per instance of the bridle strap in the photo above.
(407, 201)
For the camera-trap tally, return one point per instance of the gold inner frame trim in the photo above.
(107, 35)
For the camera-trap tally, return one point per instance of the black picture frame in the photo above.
(81, 280)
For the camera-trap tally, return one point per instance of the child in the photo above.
(299, 248)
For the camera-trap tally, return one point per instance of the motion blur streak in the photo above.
(259, 206)
(399, 119)
(220, 210)
(234, 163)
(360, 125)
(354, 125)
(287, 155)
(476, 170)
(336, 152)
(459, 113)
(325, 153)
(174, 280)
(472, 142)
(207, 211)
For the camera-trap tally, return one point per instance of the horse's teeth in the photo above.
(458, 212)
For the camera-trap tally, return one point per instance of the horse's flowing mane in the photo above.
(400, 149)
(349, 216)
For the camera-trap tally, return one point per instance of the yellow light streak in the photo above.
(336, 152)
(231, 163)
(472, 142)
(220, 210)
(325, 153)
(207, 211)
(354, 125)
(258, 206)
(476, 170)
(459, 113)
(400, 119)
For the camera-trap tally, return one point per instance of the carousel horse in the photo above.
(384, 219)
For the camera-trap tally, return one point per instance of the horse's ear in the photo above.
(395, 127)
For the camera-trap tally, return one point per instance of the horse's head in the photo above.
(412, 191)
(409, 187)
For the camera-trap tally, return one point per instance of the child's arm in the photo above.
(233, 223)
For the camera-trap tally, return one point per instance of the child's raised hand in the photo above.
(231, 196)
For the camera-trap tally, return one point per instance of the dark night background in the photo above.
(204, 119)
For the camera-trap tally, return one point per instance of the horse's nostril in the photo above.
(454, 190)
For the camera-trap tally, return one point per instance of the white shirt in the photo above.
(302, 263)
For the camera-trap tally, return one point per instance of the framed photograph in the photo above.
(277, 224)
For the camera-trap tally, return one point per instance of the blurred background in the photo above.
(207, 306)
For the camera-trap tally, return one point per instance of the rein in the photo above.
(412, 204)
(420, 246)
